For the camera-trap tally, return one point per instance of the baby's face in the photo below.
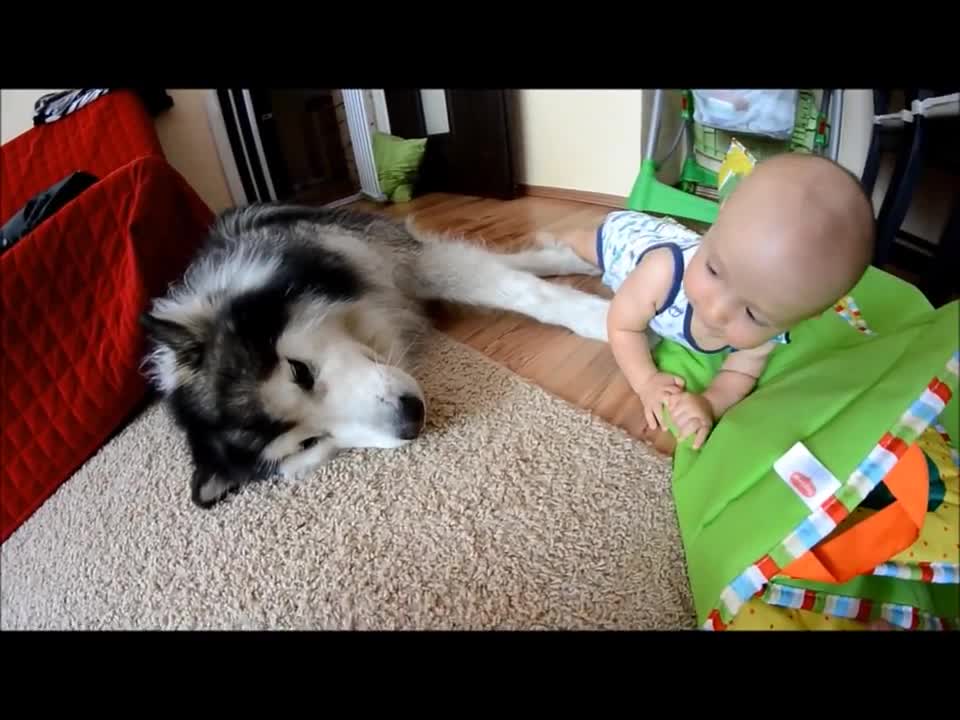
(731, 296)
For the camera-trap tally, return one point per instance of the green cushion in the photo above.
(398, 162)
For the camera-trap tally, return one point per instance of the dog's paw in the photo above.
(590, 319)
(572, 264)
(296, 473)
(296, 469)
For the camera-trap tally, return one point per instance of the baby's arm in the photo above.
(631, 309)
(737, 377)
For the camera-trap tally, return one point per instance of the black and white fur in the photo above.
(292, 335)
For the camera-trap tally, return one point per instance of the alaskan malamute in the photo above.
(292, 335)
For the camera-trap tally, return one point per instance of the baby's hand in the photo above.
(655, 393)
(691, 414)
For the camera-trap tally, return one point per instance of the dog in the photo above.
(293, 332)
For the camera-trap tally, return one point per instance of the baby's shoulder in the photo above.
(659, 260)
(653, 276)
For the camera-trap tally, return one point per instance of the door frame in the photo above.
(240, 149)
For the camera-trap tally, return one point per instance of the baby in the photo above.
(794, 237)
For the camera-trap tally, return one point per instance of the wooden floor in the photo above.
(580, 371)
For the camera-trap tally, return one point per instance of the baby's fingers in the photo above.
(671, 390)
(686, 426)
(701, 437)
(658, 412)
(649, 416)
(676, 400)
(653, 412)
(681, 411)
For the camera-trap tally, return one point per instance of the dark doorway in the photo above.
(475, 155)
(306, 144)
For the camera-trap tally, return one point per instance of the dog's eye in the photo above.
(369, 353)
(309, 443)
(301, 374)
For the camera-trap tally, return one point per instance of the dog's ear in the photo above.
(220, 467)
(183, 339)
(213, 477)
(208, 487)
(165, 331)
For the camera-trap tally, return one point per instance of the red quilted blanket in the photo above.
(98, 138)
(71, 293)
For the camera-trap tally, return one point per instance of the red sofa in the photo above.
(72, 289)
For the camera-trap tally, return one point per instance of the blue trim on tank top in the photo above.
(677, 271)
(600, 247)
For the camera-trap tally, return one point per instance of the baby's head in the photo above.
(794, 237)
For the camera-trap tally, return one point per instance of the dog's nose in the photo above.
(411, 417)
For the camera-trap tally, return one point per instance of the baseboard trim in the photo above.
(346, 200)
(582, 196)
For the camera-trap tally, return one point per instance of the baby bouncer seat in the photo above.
(763, 122)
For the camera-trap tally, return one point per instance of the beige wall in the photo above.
(187, 140)
(589, 140)
(183, 130)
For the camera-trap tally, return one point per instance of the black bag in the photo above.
(43, 205)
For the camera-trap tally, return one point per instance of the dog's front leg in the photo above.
(551, 303)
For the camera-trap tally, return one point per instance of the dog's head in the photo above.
(273, 373)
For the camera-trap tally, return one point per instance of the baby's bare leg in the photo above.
(557, 254)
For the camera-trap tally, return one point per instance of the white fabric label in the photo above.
(806, 476)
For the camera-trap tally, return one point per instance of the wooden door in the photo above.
(476, 156)
(304, 145)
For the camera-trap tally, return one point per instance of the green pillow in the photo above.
(398, 162)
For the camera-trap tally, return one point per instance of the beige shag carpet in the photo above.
(515, 511)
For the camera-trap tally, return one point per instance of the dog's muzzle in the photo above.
(410, 417)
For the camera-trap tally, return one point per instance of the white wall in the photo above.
(16, 111)
(435, 115)
(855, 129)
